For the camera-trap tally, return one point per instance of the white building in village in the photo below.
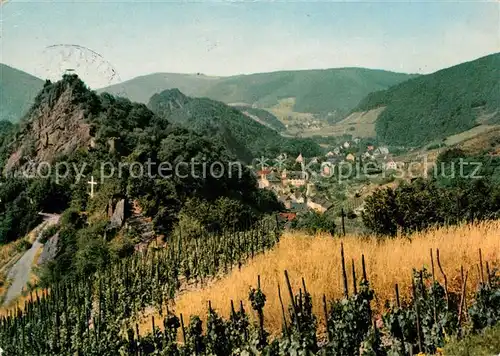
(381, 151)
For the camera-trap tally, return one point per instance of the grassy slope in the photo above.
(316, 91)
(17, 91)
(437, 105)
(317, 259)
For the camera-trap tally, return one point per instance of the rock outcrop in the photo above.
(55, 125)
(50, 249)
(118, 217)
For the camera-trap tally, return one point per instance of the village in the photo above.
(335, 181)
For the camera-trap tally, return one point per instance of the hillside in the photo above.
(141, 89)
(435, 106)
(17, 91)
(241, 135)
(262, 116)
(317, 260)
(329, 93)
(70, 125)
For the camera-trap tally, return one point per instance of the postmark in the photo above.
(59, 59)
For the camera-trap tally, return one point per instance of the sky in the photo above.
(111, 41)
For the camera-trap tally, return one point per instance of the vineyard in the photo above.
(99, 315)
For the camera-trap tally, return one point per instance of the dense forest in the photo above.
(434, 106)
(241, 135)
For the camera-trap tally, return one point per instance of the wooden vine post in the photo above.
(445, 279)
(283, 314)
(292, 299)
(325, 312)
(417, 313)
(344, 273)
(462, 297)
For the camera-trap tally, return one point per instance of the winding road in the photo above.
(19, 274)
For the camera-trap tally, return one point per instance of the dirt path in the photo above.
(20, 272)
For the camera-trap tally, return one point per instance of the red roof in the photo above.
(263, 172)
(288, 216)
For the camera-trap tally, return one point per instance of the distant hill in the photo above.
(141, 89)
(241, 135)
(329, 93)
(435, 106)
(17, 91)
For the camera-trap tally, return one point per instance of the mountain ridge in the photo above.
(17, 91)
(332, 91)
(433, 106)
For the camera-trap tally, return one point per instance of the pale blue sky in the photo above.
(225, 38)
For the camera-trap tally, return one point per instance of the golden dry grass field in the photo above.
(317, 259)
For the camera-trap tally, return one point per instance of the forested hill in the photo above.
(17, 91)
(326, 92)
(440, 104)
(240, 134)
(69, 124)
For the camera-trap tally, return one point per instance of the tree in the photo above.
(314, 222)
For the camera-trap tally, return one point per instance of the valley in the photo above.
(344, 211)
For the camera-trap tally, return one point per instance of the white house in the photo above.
(347, 144)
(282, 156)
(296, 179)
(367, 155)
(391, 165)
(350, 157)
(319, 204)
(381, 151)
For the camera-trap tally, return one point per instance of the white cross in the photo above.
(92, 182)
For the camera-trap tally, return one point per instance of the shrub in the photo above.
(23, 245)
(48, 232)
(92, 256)
(314, 222)
(486, 309)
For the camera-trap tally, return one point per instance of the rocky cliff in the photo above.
(55, 125)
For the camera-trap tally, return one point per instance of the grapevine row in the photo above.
(92, 316)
